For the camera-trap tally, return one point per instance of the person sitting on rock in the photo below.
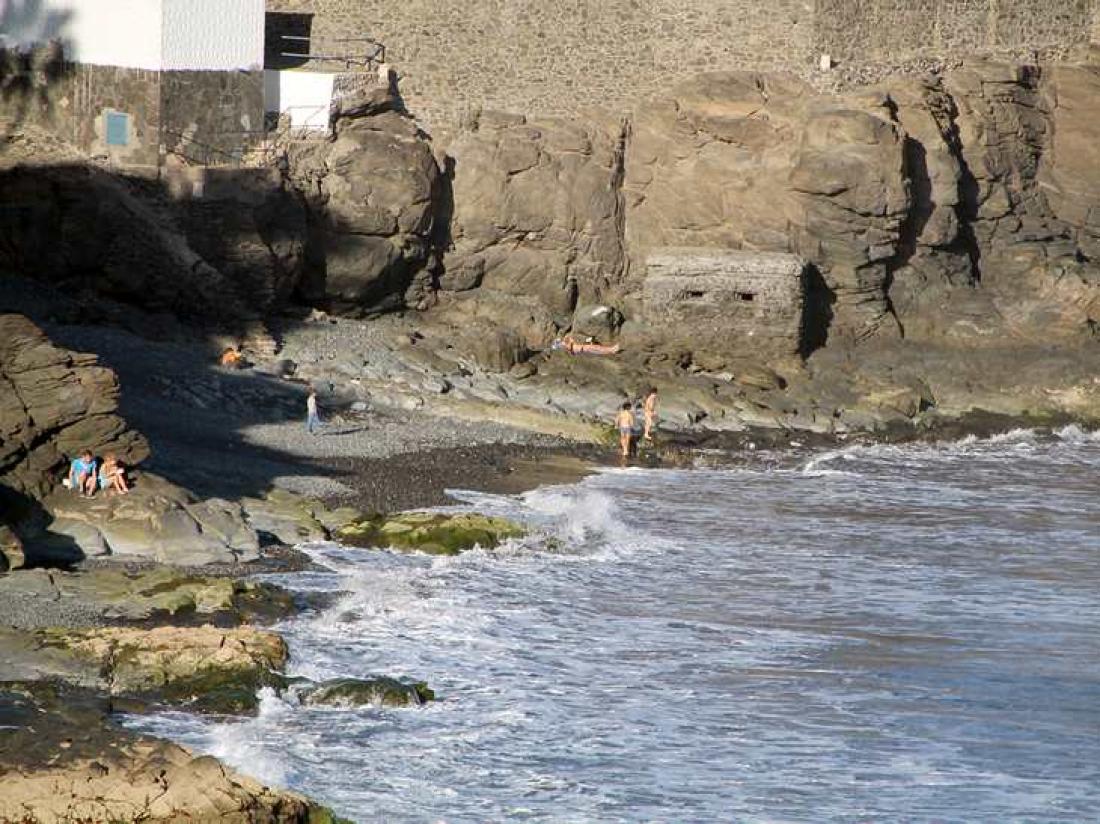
(232, 358)
(82, 474)
(112, 475)
(570, 344)
(624, 421)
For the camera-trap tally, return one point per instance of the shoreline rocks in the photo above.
(67, 760)
(434, 533)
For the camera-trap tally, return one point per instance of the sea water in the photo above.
(874, 633)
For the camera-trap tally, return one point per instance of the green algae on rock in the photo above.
(378, 691)
(204, 668)
(436, 533)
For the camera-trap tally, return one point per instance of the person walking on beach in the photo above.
(313, 420)
(624, 421)
(650, 411)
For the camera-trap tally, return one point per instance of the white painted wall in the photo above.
(143, 34)
(304, 95)
(213, 34)
(104, 32)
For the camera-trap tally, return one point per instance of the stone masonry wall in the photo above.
(893, 32)
(558, 58)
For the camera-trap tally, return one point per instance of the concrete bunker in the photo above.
(734, 302)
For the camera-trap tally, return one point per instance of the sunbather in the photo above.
(570, 344)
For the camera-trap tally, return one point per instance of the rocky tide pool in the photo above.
(876, 633)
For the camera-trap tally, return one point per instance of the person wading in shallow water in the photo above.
(624, 421)
(650, 410)
(313, 420)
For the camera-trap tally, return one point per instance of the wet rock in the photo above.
(162, 593)
(380, 691)
(201, 667)
(291, 518)
(436, 533)
(64, 759)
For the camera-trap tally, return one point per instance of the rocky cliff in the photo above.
(954, 207)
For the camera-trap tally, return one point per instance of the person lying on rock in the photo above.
(112, 475)
(624, 422)
(82, 474)
(570, 344)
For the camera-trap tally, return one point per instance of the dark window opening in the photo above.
(691, 293)
(287, 39)
(746, 296)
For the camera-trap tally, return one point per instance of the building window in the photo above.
(118, 129)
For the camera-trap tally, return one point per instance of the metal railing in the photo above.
(370, 55)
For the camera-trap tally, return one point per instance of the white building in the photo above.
(136, 80)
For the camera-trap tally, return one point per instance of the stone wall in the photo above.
(205, 115)
(556, 58)
(211, 117)
(722, 299)
(892, 33)
(559, 58)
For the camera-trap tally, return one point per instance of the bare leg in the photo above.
(624, 444)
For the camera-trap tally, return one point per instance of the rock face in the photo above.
(83, 229)
(54, 403)
(953, 208)
(373, 193)
(536, 212)
(761, 162)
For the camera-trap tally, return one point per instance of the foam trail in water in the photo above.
(242, 743)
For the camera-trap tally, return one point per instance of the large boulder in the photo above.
(536, 211)
(373, 192)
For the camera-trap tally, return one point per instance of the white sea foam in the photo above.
(706, 624)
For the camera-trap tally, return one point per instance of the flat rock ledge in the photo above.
(435, 533)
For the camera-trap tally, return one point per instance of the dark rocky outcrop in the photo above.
(377, 692)
(373, 191)
(53, 404)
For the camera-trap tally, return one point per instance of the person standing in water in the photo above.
(313, 420)
(650, 412)
(624, 421)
